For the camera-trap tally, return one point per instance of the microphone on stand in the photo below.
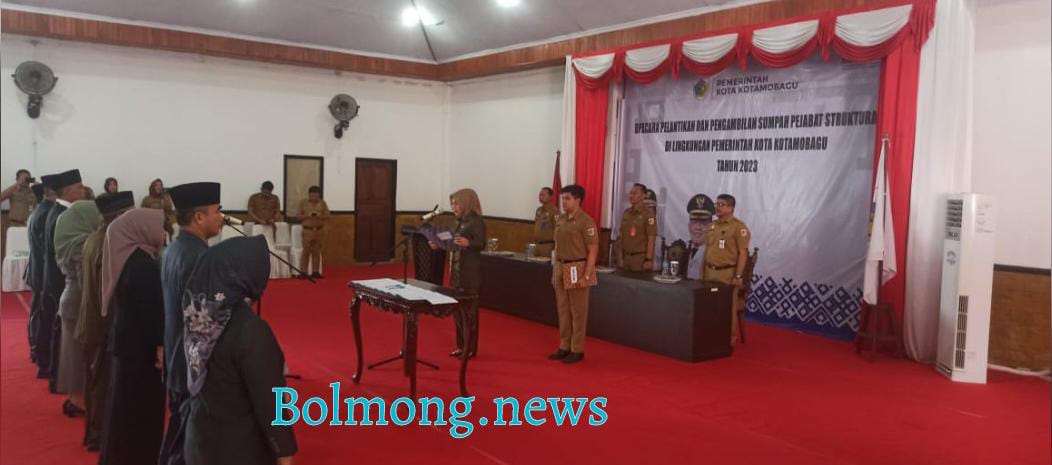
(232, 221)
(434, 212)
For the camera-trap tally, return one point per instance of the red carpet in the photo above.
(784, 398)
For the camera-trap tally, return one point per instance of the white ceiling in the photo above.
(467, 27)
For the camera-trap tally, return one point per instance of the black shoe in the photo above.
(559, 355)
(70, 410)
(52, 387)
(574, 357)
(302, 276)
(316, 275)
(457, 353)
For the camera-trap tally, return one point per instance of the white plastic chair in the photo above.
(296, 252)
(16, 260)
(278, 270)
(282, 235)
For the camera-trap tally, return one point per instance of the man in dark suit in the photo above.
(68, 189)
(200, 218)
(34, 276)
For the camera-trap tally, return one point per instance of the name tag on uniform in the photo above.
(723, 243)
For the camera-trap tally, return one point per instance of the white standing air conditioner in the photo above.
(967, 281)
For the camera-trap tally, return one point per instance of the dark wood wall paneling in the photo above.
(126, 35)
(538, 56)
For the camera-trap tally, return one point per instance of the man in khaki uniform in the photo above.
(576, 240)
(638, 232)
(263, 206)
(313, 213)
(21, 199)
(726, 251)
(544, 224)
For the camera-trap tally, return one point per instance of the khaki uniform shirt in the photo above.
(313, 214)
(544, 223)
(638, 226)
(264, 207)
(22, 202)
(573, 234)
(727, 238)
(164, 202)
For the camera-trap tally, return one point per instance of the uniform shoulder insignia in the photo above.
(591, 231)
(650, 220)
(745, 232)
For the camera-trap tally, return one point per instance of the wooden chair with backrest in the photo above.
(745, 291)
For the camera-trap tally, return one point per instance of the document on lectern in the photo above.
(441, 237)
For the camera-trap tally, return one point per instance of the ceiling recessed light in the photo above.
(419, 15)
(508, 3)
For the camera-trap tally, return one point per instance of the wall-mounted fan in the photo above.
(344, 108)
(36, 80)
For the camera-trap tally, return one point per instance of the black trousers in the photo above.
(56, 347)
(44, 330)
(34, 317)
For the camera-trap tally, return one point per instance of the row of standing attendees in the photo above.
(22, 200)
(121, 320)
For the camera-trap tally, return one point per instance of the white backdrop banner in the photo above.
(795, 147)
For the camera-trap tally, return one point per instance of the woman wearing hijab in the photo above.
(71, 229)
(466, 270)
(92, 329)
(158, 198)
(233, 361)
(110, 186)
(131, 290)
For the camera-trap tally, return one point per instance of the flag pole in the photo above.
(883, 212)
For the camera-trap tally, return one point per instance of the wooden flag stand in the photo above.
(870, 327)
(871, 331)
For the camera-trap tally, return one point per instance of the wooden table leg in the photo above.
(410, 351)
(470, 329)
(356, 307)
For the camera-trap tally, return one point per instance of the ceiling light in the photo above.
(419, 15)
(508, 3)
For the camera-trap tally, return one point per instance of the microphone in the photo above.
(232, 220)
(437, 211)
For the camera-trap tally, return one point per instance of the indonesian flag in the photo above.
(557, 183)
(881, 234)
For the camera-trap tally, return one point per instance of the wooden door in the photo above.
(375, 182)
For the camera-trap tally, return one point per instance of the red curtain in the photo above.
(708, 69)
(897, 117)
(590, 144)
(653, 75)
(783, 60)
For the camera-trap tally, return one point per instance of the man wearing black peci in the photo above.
(35, 271)
(68, 189)
(199, 216)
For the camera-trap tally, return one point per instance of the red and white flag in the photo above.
(881, 234)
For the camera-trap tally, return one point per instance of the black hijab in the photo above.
(229, 275)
